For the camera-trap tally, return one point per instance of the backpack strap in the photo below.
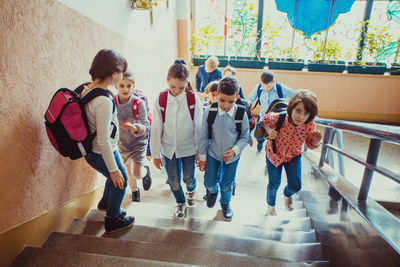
(279, 124)
(259, 91)
(191, 102)
(239, 119)
(190, 99)
(279, 89)
(162, 102)
(212, 114)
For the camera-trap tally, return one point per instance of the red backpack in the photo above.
(190, 97)
(66, 121)
(137, 97)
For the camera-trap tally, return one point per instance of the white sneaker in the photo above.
(190, 198)
(288, 203)
(271, 210)
(180, 210)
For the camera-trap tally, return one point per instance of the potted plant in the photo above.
(375, 39)
(243, 32)
(395, 68)
(205, 43)
(324, 57)
(287, 59)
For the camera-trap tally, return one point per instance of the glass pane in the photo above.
(209, 27)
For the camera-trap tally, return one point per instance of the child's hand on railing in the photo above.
(316, 137)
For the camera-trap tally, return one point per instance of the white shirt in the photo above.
(177, 135)
(99, 115)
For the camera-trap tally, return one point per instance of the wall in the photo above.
(340, 96)
(45, 45)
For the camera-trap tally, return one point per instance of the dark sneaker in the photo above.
(206, 195)
(190, 198)
(147, 180)
(259, 146)
(136, 196)
(233, 189)
(212, 197)
(227, 211)
(102, 206)
(118, 223)
(180, 210)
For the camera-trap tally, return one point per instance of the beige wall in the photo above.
(340, 96)
(45, 45)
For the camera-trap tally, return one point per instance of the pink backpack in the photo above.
(190, 97)
(66, 122)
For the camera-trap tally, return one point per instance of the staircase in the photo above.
(202, 238)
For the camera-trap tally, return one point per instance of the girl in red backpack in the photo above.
(285, 146)
(107, 70)
(134, 134)
(176, 123)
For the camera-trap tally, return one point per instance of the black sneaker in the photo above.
(146, 181)
(103, 205)
(118, 223)
(136, 196)
(212, 197)
(227, 211)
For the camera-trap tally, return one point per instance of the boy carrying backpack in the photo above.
(224, 134)
(264, 93)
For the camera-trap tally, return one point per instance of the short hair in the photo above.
(309, 100)
(228, 86)
(212, 62)
(267, 76)
(129, 75)
(231, 69)
(212, 87)
(105, 63)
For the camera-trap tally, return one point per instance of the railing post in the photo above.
(372, 158)
(339, 140)
(328, 137)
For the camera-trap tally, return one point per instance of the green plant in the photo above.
(286, 53)
(205, 41)
(375, 40)
(331, 51)
(243, 28)
(270, 35)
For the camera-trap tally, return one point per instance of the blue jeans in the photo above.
(293, 173)
(112, 195)
(174, 167)
(216, 172)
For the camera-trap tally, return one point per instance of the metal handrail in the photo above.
(376, 132)
(386, 225)
(384, 132)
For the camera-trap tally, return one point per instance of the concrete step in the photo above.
(173, 253)
(44, 257)
(219, 227)
(253, 247)
(293, 221)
